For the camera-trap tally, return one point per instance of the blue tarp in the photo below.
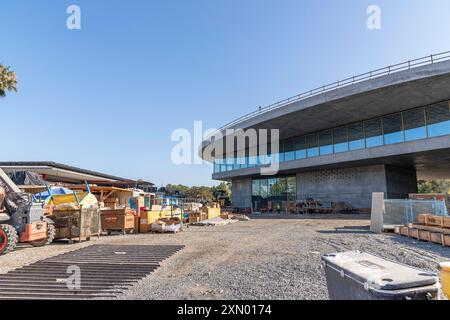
(55, 190)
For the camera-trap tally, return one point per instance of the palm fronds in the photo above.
(8, 80)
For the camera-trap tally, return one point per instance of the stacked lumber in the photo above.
(431, 228)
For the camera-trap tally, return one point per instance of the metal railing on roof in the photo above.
(407, 65)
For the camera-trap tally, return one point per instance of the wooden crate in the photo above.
(424, 235)
(446, 223)
(436, 237)
(446, 240)
(197, 217)
(430, 228)
(434, 221)
(82, 224)
(404, 231)
(413, 233)
(147, 218)
(137, 221)
(422, 218)
(211, 212)
(121, 220)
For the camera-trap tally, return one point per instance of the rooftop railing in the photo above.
(407, 65)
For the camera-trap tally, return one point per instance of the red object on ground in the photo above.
(3, 240)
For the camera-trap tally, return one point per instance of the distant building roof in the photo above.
(58, 172)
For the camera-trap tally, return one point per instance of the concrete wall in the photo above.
(400, 182)
(242, 193)
(356, 185)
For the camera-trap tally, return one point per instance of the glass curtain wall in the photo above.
(415, 124)
(274, 195)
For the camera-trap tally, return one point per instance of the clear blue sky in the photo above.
(108, 97)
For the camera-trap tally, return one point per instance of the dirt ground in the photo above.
(265, 258)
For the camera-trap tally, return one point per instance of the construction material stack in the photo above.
(148, 217)
(76, 215)
(430, 228)
(205, 213)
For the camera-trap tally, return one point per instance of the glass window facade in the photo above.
(312, 145)
(326, 142)
(300, 148)
(438, 119)
(419, 123)
(274, 195)
(289, 150)
(373, 133)
(414, 123)
(340, 139)
(393, 129)
(356, 136)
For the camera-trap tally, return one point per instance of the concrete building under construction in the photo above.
(377, 132)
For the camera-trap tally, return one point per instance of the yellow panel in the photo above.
(85, 199)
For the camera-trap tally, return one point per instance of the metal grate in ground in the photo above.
(104, 271)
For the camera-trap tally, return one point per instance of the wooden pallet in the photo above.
(434, 221)
(425, 233)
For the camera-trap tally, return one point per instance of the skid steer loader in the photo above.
(21, 218)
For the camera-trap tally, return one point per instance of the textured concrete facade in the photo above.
(356, 185)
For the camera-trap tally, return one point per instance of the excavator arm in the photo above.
(7, 187)
(8, 198)
(7, 184)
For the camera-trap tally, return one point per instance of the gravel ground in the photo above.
(260, 259)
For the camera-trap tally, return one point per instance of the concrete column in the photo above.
(400, 182)
(242, 193)
(376, 224)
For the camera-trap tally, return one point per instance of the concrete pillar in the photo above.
(242, 193)
(400, 182)
(376, 223)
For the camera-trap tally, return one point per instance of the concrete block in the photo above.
(376, 224)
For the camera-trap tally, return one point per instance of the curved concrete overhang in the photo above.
(383, 95)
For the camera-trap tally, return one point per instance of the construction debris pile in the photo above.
(77, 212)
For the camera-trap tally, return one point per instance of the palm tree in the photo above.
(8, 80)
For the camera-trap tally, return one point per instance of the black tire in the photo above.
(8, 238)
(51, 234)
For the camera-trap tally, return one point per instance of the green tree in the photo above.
(177, 187)
(223, 187)
(434, 186)
(198, 193)
(8, 80)
(201, 193)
